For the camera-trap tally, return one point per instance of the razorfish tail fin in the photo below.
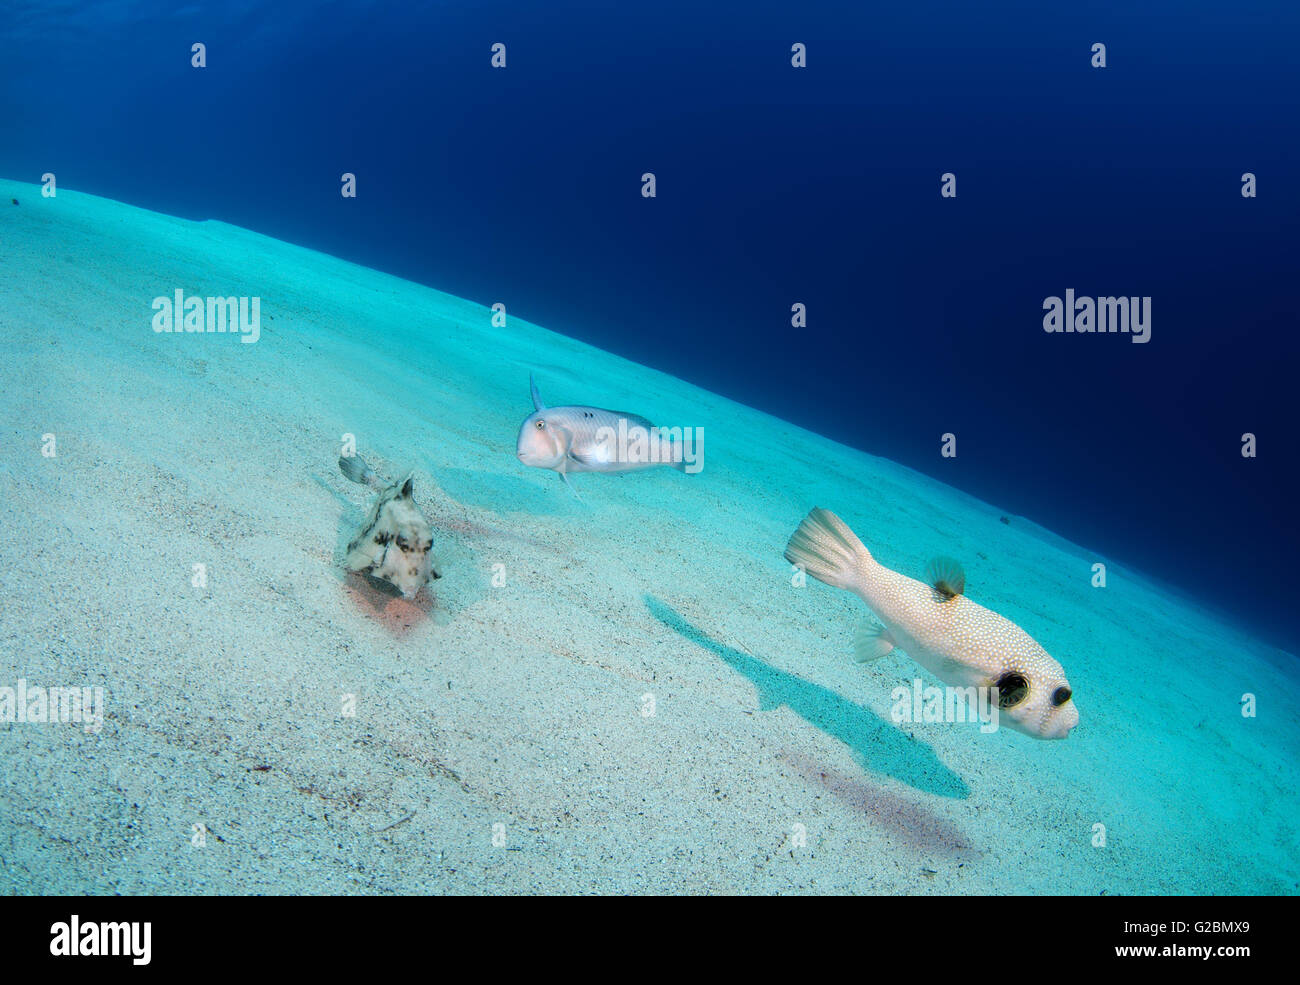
(871, 642)
(355, 468)
(537, 397)
(946, 578)
(827, 549)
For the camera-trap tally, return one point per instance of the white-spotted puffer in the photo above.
(959, 641)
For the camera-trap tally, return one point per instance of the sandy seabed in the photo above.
(500, 740)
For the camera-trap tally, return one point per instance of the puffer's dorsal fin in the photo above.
(872, 642)
(537, 397)
(946, 577)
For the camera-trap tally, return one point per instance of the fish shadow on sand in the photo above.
(908, 822)
(508, 493)
(877, 745)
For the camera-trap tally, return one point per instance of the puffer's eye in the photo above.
(1061, 695)
(541, 425)
(1012, 689)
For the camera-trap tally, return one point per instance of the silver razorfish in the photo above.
(957, 640)
(589, 439)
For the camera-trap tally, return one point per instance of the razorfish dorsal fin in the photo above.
(408, 487)
(946, 577)
(537, 397)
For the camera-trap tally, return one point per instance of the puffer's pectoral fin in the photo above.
(946, 577)
(871, 642)
(537, 397)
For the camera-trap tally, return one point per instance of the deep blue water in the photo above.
(778, 185)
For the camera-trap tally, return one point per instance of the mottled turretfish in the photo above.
(957, 640)
(589, 439)
(396, 540)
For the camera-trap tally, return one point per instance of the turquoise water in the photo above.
(622, 692)
(822, 185)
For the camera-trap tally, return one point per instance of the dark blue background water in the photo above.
(775, 185)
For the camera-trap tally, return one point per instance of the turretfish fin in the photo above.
(871, 642)
(357, 470)
(946, 577)
(827, 549)
(537, 397)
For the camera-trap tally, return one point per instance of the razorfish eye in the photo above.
(541, 425)
(1061, 695)
(1012, 689)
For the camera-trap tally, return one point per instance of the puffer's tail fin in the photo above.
(827, 549)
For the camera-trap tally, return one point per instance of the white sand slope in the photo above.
(521, 705)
